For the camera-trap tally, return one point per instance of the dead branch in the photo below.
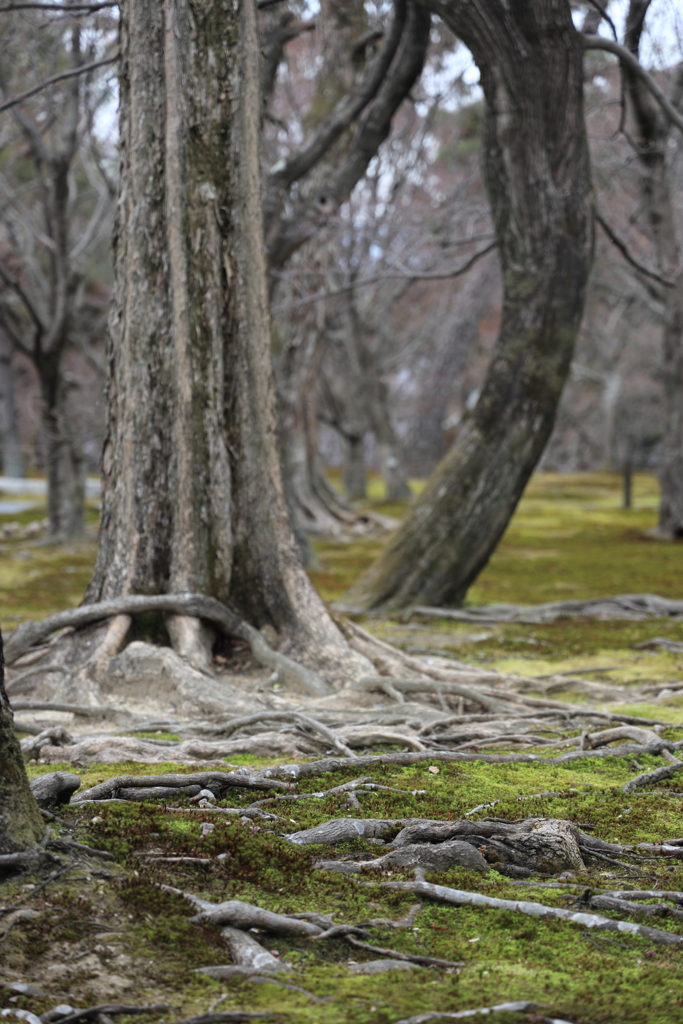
(459, 897)
(619, 244)
(26, 635)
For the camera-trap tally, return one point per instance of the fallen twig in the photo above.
(427, 961)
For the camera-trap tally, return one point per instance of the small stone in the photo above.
(433, 769)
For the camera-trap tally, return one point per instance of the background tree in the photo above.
(537, 176)
(56, 197)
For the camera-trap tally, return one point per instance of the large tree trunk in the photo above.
(21, 825)
(11, 460)
(653, 129)
(537, 175)
(193, 497)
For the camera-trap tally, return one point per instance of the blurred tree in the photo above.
(56, 199)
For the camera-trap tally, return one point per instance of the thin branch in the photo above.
(14, 100)
(87, 8)
(290, 170)
(624, 250)
(602, 10)
(633, 64)
(400, 274)
(12, 283)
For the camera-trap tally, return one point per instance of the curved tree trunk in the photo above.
(537, 175)
(192, 495)
(653, 130)
(21, 825)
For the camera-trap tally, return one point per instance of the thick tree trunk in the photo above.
(193, 497)
(21, 825)
(537, 175)
(11, 460)
(653, 129)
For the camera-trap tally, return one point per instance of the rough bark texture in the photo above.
(193, 496)
(537, 176)
(653, 129)
(21, 825)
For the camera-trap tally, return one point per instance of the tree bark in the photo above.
(64, 458)
(21, 825)
(653, 129)
(10, 443)
(537, 176)
(192, 488)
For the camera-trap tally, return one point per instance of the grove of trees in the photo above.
(240, 185)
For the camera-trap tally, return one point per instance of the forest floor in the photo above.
(105, 932)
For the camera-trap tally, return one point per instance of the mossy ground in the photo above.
(108, 932)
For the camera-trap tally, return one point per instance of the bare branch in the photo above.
(346, 110)
(625, 252)
(632, 63)
(401, 274)
(12, 283)
(14, 100)
(86, 8)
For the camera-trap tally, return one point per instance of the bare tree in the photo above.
(537, 175)
(52, 225)
(653, 130)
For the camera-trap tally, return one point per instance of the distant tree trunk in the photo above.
(653, 129)
(192, 487)
(537, 175)
(354, 467)
(21, 825)
(64, 457)
(11, 459)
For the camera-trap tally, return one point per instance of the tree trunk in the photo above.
(192, 488)
(354, 468)
(21, 825)
(64, 458)
(537, 175)
(10, 443)
(653, 129)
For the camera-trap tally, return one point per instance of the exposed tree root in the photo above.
(26, 635)
(631, 607)
(459, 898)
(520, 1007)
